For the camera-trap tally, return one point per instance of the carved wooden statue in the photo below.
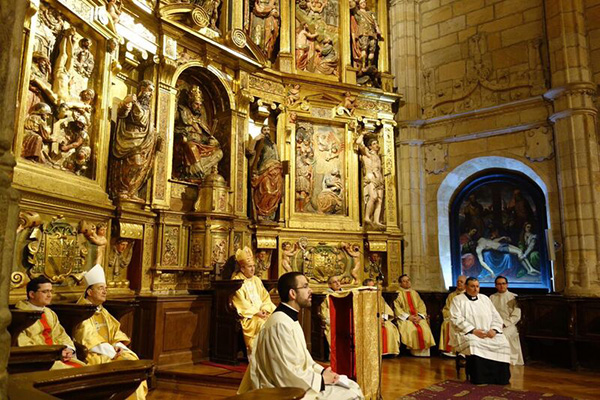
(264, 25)
(266, 174)
(373, 183)
(200, 152)
(366, 35)
(134, 145)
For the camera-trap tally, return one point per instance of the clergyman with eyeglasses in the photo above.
(281, 358)
(47, 330)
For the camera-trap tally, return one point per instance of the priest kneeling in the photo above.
(101, 334)
(281, 358)
(478, 335)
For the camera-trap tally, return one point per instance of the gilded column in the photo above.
(576, 144)
(12, 15)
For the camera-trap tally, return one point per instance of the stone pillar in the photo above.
(404, 33)
(576, 144)
(12, 15)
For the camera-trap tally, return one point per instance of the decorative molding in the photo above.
(436, 158)
(539, 144)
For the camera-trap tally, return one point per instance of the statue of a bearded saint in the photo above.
(134, 145)
(200, 150)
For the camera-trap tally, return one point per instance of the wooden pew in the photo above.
(288, 393)
(33, 358)
(226, 326)
(114, 381)
(21, 320)
(226, 337)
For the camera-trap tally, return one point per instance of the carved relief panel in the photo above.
(59, 128)
(317, 38)
(320, 176)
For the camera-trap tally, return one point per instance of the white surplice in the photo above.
(281, 359)
(507, 307)
(467, 315)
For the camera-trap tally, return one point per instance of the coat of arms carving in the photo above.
(55, 251)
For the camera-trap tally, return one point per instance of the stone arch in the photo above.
(452, 184)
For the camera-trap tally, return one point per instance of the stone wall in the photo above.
(492, 78)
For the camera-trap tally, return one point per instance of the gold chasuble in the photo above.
(102, 329)
(390, 336)
(46, 331)
(445, 332)
(250, 299)
(416, 336)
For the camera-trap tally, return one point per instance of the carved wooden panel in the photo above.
(173, 330)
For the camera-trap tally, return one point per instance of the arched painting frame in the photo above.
(498, 227)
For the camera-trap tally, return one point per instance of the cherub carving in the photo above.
(288, 250)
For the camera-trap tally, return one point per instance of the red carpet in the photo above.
(457, 390)
(236, 368)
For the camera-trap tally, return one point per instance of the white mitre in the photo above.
(94, 275)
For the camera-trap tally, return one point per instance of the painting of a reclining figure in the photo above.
(499, 229)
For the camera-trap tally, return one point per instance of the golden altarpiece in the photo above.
(158, 137)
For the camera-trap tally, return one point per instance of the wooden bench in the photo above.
(33, 358)
(226, 328)
(21, 320)
(226, 331)
(288, 393)
(114, 381)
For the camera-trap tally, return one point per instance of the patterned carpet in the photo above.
(457, 390)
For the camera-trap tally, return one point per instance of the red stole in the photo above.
(413, 311)
(47, 335)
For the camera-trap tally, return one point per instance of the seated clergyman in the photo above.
(446, 329)
(252, 301)
(508, 308)
(389, 331)
(101, 334)
(47, 330)
(281, 358)
(411, 315)
(478, 335)
(334, 285)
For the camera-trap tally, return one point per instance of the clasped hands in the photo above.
(67, 354)
(262, 314)
(330, 377)
(480, 333)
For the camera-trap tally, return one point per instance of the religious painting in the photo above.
(60, 103)
(320, 177)
(317, 36)
(498, 228)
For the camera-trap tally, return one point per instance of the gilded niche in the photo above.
(202, 124)
(60, 103)
(320, 169)
(317, 36)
